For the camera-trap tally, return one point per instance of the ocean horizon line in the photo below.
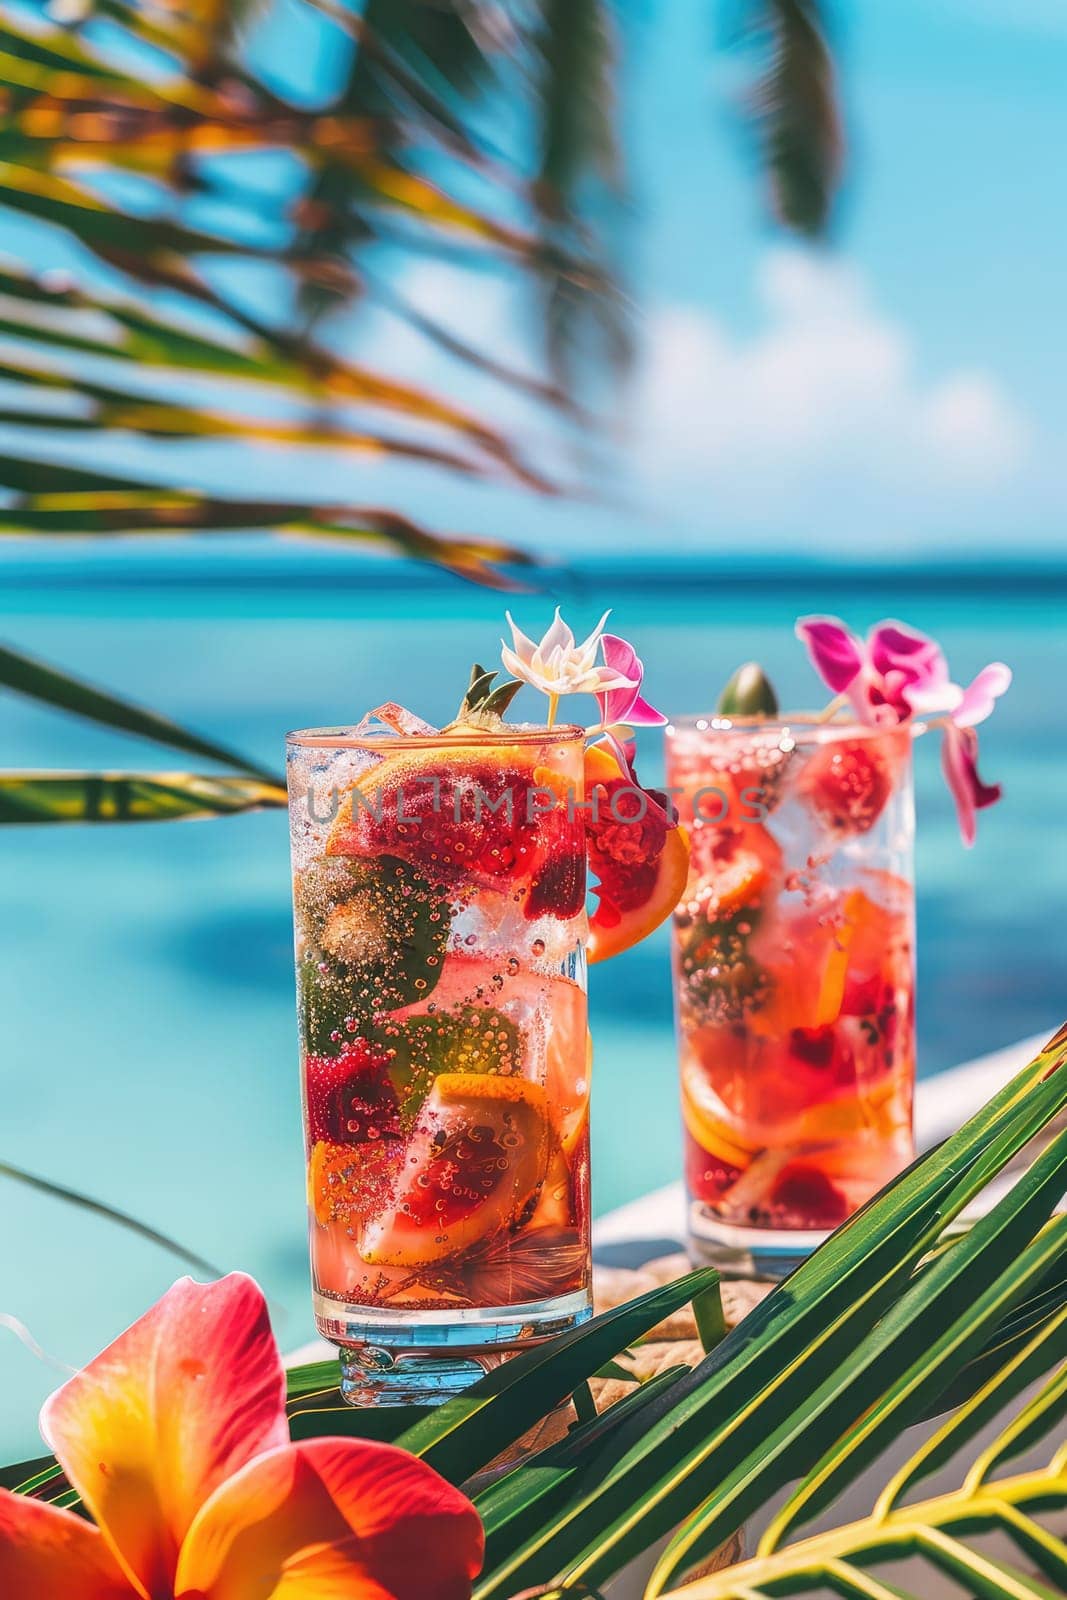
(311, 571)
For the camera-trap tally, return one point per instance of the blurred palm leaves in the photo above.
(177, 171)
(794, 109)
(220, 223)
(182, 177)
(124, 796)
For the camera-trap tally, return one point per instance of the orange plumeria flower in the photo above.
(175, 1438)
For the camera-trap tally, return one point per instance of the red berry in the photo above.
(813, 1045)
(558, 890)
(848, 785)
(809, 1197)
(826, 1055)
(350, 1098)
(625, 840)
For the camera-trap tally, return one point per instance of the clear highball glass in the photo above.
(794, 978)
(439, 905)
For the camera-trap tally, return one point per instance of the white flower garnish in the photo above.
(558, 665)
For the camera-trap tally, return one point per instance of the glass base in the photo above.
(742, 1252)
(426, 1357)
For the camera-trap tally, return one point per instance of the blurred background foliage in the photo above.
(223, 226)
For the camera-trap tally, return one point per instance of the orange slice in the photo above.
(703, 1116)
(476, 1159)
(345, 1181)
(640, 870)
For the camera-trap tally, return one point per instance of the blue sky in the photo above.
(950, 248)
(897, 392)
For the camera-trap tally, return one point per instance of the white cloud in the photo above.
(820, 426)
(974, 428)
(823, 410)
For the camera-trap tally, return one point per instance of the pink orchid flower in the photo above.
(891, 676)
(959, 747)
(625, 706)
(176, 1440)
(896, 674)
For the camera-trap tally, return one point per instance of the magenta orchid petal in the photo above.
(892, 676)
(980, 696)
(959, 762)
(897, 674)
(836, 654)
(642, 715)
(891, 644)
(912, 670)
(626, 705)
(621, 657)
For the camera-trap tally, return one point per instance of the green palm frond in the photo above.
(939, 1532)
(39, 681)
(873, 1379)
(795, 111)
(846, 1337)
(103, 797)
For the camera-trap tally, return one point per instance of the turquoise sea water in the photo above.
(147, 1045)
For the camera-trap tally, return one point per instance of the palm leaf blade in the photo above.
(892, 1371)
(933, 1530)
(463, 1435)
(107, 797)
(84, 1202)
(39, 681)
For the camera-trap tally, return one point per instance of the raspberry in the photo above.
(350, 1098)
(809, 1197)
(625, 841)
(847, 785)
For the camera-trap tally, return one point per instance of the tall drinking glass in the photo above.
(439, 895)
(794, 978)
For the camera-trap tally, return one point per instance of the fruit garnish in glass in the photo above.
(794, 947)
(441, 942)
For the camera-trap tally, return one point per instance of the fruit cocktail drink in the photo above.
(794, 978)
(439, 889)
(794, 940)
(440, 919)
